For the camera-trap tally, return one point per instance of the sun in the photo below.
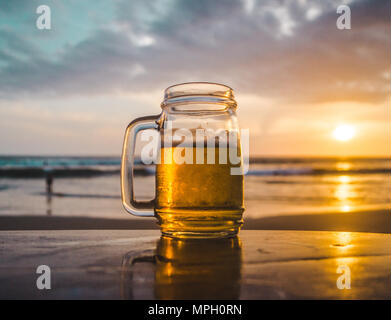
(344, 132)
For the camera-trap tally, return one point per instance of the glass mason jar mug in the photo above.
(199, 176)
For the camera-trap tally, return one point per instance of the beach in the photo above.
(328, 194)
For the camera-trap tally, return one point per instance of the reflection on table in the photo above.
(187, 269)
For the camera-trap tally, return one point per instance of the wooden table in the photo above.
(138, 264)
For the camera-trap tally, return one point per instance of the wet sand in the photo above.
(364, 221)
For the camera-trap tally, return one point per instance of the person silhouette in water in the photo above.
(48, 177)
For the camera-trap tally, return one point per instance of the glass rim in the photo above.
(198, 89)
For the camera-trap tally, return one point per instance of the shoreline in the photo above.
(373, 221)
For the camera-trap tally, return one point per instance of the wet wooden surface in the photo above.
(138, 264)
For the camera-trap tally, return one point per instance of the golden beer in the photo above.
(198, 198)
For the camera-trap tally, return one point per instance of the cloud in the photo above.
(287, 50)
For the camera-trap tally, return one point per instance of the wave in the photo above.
(66, 172)
(315, 172)
(38, 162)
(150, 170)
(295, 160)
(77, 195)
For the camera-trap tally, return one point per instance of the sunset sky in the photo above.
(73, 89)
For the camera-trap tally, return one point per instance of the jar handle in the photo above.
(131, 205)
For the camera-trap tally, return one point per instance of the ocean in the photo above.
(89, 186)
